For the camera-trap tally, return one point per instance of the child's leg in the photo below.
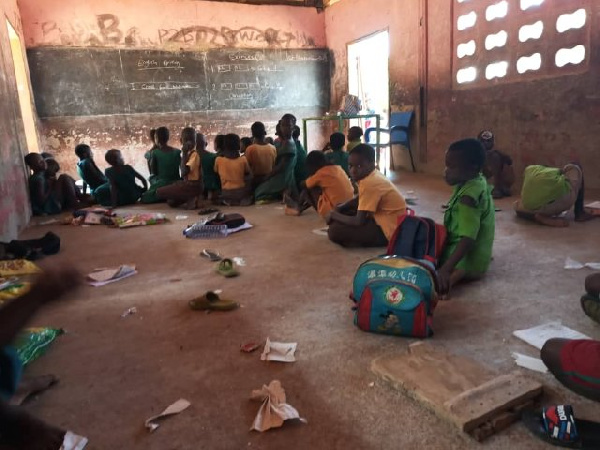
(312, 196)
(506, 180)
(67, 192)
(539, 218)
(367, 235)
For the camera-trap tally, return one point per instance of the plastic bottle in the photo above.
(201, 231)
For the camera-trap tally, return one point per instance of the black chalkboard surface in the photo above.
(89, 81)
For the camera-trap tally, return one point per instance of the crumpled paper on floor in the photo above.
(571, 264)
(274, 409)
(537, 336)
(279, 351)
(73, 442)
(177, 407)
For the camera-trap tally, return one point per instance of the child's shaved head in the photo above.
(337, 141)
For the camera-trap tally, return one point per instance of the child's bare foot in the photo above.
(557, 222)
(24, 432)
(32, 386)
(584, 217)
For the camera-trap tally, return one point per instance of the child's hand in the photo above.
(443, 277)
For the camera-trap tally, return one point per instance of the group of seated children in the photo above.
(243, 171)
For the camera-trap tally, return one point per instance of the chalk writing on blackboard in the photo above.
(244, 96)
(164, 86)
(289, 56)
(245, 56)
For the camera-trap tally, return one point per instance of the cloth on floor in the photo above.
(136, 220)
(31, 343)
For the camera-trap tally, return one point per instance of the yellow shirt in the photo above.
(335, 185)
(378, 195)
(261, 158)
(194, 164)
(232, 171)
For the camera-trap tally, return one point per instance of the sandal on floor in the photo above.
(591, 307)
(211, 255)
(557, 425)
(227, 268)
(211, 302)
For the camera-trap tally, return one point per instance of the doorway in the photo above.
(368, 79)
(23, 90)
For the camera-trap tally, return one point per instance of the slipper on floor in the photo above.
(591, 307)
(211, 302)
(557, 425)
(211, 255)
(227, 268)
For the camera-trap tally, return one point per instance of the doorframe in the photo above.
(363, 38)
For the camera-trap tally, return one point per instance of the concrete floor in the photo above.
(116, 372)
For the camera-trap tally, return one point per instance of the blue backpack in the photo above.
(395, 295)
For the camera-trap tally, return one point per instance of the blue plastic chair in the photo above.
(399, 132)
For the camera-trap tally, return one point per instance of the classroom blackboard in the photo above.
(90, 81)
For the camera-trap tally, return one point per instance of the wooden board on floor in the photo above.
(476, 399)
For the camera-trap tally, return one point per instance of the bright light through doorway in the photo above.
(23, 90)
(368, 78)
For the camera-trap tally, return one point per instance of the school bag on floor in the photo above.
(395, 295)
(418, 237)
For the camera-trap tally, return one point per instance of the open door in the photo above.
(368, 79)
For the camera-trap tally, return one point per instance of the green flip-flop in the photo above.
(591, 307)
(211, 302)
(227, 268)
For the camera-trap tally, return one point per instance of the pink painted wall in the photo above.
(351, 20)
(169, 24)
(14, 203)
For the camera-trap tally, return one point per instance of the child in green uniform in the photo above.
(91, 175)
(212, 183)
(470, 217)
(165, 162)
(148, 154)
(354, 138)
(337, 155)
(300, 172)
(549, 191)
(281, 179)
(50, 195)
(121, 177)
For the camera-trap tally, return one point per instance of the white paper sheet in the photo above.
(571, 264)
(240, 228)
(537, 336)
(177, 407)
(321, 231)
(279, 351)
(530, 363)
(73, 442)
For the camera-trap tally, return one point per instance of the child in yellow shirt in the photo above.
(235, 173)
(370, 219)
(326, 187)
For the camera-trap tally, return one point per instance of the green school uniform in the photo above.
(210, 179)
(95, 179)
(541, 186)
(300, 171)
(124, 179)
(167, 172)
(339, 158)
(284, 180)
(38, 206)
(476, 223)
(350, 145)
